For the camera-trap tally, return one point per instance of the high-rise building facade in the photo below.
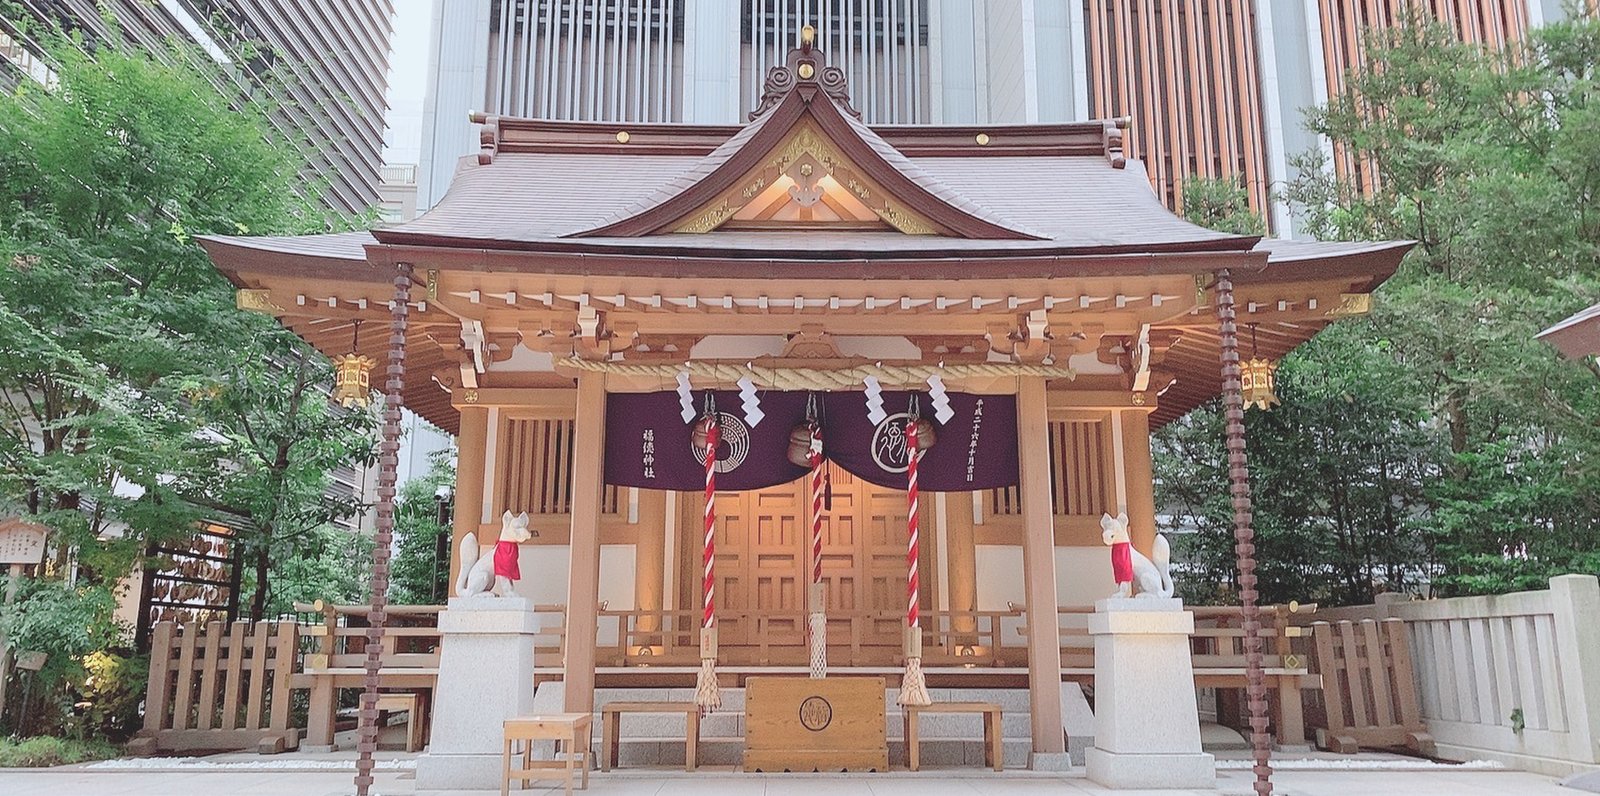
(320, 66)
(1214, 88)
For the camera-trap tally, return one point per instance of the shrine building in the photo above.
(587, 293)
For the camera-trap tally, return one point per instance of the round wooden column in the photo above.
(471, 467)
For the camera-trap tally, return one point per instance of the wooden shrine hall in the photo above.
(587, 292)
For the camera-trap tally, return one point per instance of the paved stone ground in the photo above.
(79, 781)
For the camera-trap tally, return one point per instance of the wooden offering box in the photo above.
(800, 724)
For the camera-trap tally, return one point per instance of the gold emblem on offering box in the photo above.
(816, 714)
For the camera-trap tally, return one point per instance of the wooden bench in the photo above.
(992, 753)
(572, 733)
(412, 705)
(611, 729)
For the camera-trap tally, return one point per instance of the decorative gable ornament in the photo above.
(805, 160)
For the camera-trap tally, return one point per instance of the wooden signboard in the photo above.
(21, 542)
(800, 724)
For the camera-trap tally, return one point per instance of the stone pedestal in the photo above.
(485, 677)
(1147, 724)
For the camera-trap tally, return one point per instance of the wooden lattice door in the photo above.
(884, 554)
(763, 566)
(760, 561)
(841, 554)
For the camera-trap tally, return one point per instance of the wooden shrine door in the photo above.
(760, 563)
(763, 568)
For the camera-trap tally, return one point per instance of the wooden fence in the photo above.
(216, 690)
(1368, 692)
(219, 687)
(1510, 677)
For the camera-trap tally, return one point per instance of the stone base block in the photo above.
(457, 773)
(1050, 761)
(1152, 771)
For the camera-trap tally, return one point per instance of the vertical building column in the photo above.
(1138, 477)
(1273, 120)
(1039, 567)
(458, 76)
(711, 88)
(471, 445)
(650, 552)
(961, 557)
(583, 573)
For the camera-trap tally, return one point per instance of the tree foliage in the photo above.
(1434, 442)
(414, 571)
(134, 399)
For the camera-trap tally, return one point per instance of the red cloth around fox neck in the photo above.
(505, 560)
(1121, 562)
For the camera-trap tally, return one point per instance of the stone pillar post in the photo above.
(1147, 723)
(485, 677)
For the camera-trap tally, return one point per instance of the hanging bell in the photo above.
(701, 433)
(925, 432)
(1258, 382)
(352, 380)
(801, 440)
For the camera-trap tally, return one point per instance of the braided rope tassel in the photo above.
(817, 620)
(913, 686)
(706, 694)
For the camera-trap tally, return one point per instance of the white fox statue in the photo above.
(1136, 575)
(493, 575)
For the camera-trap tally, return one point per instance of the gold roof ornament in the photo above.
(352, 375)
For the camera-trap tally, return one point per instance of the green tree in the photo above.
(414, 570)
(136, 400)
(1220, 204)
(1490, 160)
(1434, 441)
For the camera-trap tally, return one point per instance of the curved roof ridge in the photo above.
(807, 88)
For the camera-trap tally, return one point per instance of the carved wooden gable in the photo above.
(806, 161)
(806, 181)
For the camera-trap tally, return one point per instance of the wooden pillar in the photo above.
(583, 571)
(650, 552)
(1039, 567)
(470, 472)
(1139, 478)
(961, 556)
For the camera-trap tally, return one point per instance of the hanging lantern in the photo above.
(1258, 378)
(352, 380)
(352, 375)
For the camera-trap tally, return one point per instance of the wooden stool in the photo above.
(572, 734)
(411, 705)
(611, 729)
(992, 755)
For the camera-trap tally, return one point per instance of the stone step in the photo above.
(730, 752)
